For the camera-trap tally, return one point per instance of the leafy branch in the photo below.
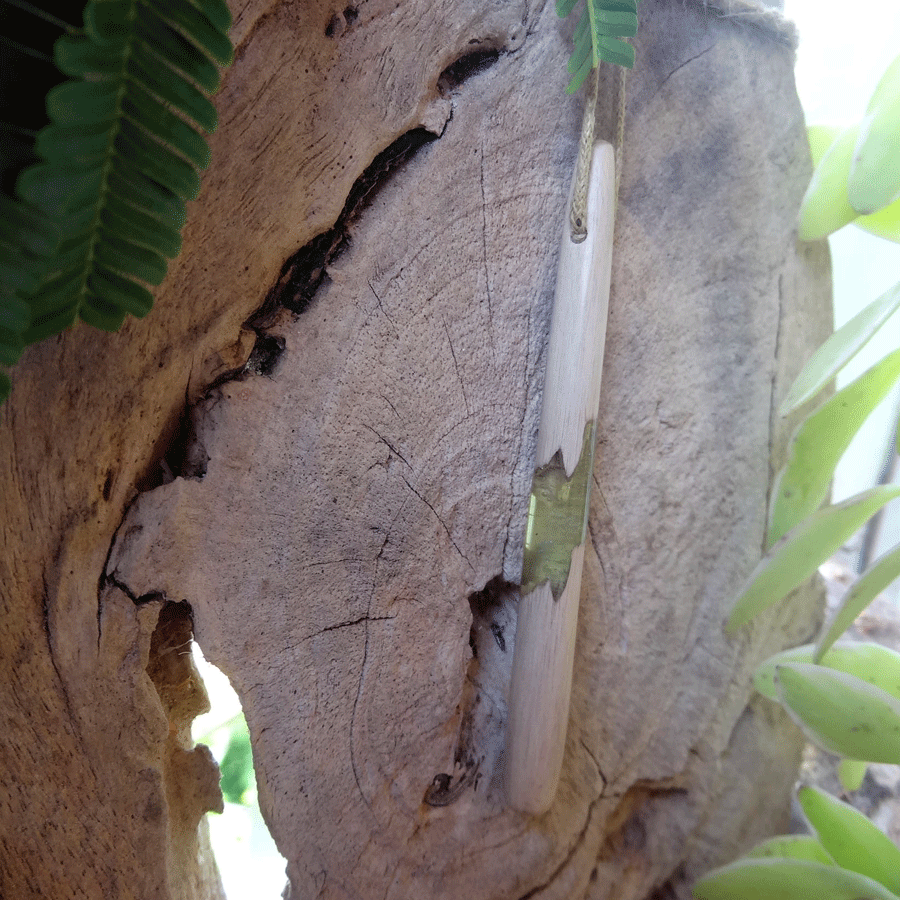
(597, 34)
(95, 220)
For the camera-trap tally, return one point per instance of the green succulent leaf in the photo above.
(121, 155)
(841, 713)
(787, 879)
(791, 846)
(868, 586)
(874, 663)
(884, 224)
(820, 442)
(839, 349)
(237, 764)
(802, 550)
(850, 838)
(820, 138)
(888, 86)
(597, 36)
(874, 178)
(825, 207)
(851, 773)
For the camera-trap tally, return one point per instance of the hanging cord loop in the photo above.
(620, 130)
(578, 213)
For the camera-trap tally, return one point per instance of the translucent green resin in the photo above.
(557, 518)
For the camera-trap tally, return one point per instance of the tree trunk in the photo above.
(344, 529)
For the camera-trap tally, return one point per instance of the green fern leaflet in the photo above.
(27, 239)
(121, 155)
(597, 35)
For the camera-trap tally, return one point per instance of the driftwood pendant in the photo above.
(558, 509)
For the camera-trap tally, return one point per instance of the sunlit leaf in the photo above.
(851, 840)
(888, 86)
(867, 587)
(874, 180)
(851, 773)
(787, 879)
(839, 349)
(885, 223)
(237, 764)
(821, 137)
(841, 713)
(791, 846)
(820, 442)
(802, 550)
(874, 663)
(826, 207)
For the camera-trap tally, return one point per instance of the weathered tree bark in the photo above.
(345, 524)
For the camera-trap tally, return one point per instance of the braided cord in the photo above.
(578, 215)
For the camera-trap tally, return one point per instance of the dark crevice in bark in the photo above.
(301, 276)
(576, 846)
(306, 270)
(465, 67)
(484, 605)
(266, 354)
(480, 715)
(180, 458)
(299, 280)
(351, 623)
(170, 642)
(668, 890)
(130, 594)
(482, 707)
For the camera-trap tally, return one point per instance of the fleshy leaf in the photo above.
(851, 839)
(820, 442)
(825, 207)
(841, 713)
(839, 349)
(803, 549)
(851, 773)
(874, 180)
(820, 138)
(884, 224)
(791, 846)
(867, 587)
(874, 663)
(787, 879)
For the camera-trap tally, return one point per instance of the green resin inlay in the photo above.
(557, 518)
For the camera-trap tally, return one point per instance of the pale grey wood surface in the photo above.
(356, 496)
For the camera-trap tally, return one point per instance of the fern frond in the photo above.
(597, 36)
(121, 155)
(27, 240)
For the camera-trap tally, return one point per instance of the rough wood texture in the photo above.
(357, 496)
